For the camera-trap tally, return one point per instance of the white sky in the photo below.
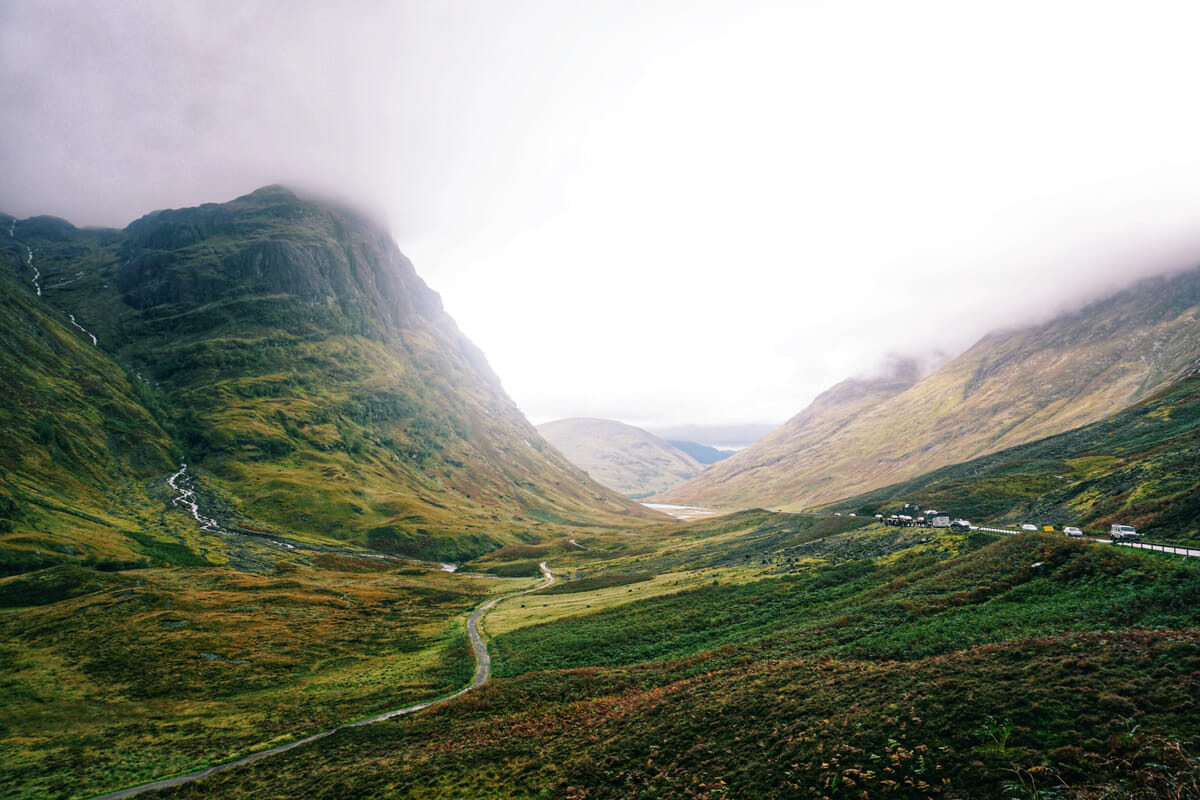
(665, 213)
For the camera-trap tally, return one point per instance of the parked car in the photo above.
(1028, 527)
(960, 525)
(1072, 531)
(1123, 533)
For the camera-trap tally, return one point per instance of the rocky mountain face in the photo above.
(620, 456)
(292, 356)
(1010, 388)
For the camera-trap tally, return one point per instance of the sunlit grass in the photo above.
(537, 608)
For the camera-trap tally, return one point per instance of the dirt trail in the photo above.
(483, 671)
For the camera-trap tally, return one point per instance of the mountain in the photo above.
(290, 354)
(1136, 467)
(620, 456)
(1010, 388)
(701, 452)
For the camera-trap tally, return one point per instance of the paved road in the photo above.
(483, 671)
(1162, 548)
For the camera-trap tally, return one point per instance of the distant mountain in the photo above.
(1010, 388)
(701, 452)
(621, 456)
(732, 437)
(286, 350)
(1136, 467)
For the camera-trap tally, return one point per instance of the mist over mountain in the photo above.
(620, 456)
(290, 354)
(1010, 388)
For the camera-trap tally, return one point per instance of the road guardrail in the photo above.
(1161, 548)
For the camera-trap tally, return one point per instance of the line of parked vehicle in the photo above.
(910, 516)
(1118, 533)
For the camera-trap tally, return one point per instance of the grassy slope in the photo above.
(1008, 389)
(942, 668)
(101, 670)
(1136, 467)
(74, 425)
(324, 407)
(314, 395)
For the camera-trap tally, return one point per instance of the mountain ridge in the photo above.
(1009, 388)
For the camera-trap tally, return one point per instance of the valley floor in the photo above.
(755, 655)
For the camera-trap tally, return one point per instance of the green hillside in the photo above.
(289, 353)
(80, 441)
(1138, 467)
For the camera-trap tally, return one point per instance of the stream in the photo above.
(37, 280)
(247, 542)
(185, 497)
(37, 275)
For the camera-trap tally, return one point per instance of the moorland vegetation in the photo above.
(957, 665)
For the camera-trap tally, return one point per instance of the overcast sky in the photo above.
(665, 213)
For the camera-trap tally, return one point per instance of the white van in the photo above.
(1123, 533)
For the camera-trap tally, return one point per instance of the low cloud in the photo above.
(667, 213)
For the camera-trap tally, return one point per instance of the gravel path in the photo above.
(483, 671)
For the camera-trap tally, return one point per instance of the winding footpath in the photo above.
(483, 671)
